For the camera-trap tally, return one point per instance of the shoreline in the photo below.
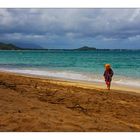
(35, 104)
(81, 83)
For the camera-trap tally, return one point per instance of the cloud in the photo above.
(67, 25)
(16, 36)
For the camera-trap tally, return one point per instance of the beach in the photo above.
(37, 104)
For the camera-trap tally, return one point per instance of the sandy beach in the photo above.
(33, 104)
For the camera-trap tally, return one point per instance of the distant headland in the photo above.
(10, 46)
(5, 46)
(20, 46)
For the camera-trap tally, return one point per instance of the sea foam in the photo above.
(71, 75)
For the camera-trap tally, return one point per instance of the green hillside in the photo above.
(4, 46)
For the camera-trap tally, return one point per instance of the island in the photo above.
(85, 48)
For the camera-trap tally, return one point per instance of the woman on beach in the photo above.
(108, 73)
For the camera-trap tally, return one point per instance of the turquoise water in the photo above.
(80, 65)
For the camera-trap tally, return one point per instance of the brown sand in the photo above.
(34, 104)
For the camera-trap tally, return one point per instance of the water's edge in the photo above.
(75, 76)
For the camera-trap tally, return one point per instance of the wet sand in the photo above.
(30, 104)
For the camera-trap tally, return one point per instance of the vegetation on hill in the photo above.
(4, 46)
(86, 48)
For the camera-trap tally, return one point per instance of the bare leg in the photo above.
(108, 85)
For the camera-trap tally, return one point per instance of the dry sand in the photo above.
(35, 104)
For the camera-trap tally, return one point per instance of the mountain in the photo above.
(31, 46)
(4, 46)
(27, 45)
(85, 48)
(19, 46)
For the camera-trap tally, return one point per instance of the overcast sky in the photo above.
(72, 28)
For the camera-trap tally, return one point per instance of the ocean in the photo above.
(75, 65)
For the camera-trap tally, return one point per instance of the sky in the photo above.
(72, 28)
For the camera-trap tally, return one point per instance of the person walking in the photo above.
(108, 74)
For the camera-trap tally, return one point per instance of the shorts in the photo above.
(107, 82)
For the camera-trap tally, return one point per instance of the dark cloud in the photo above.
(65, 26)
